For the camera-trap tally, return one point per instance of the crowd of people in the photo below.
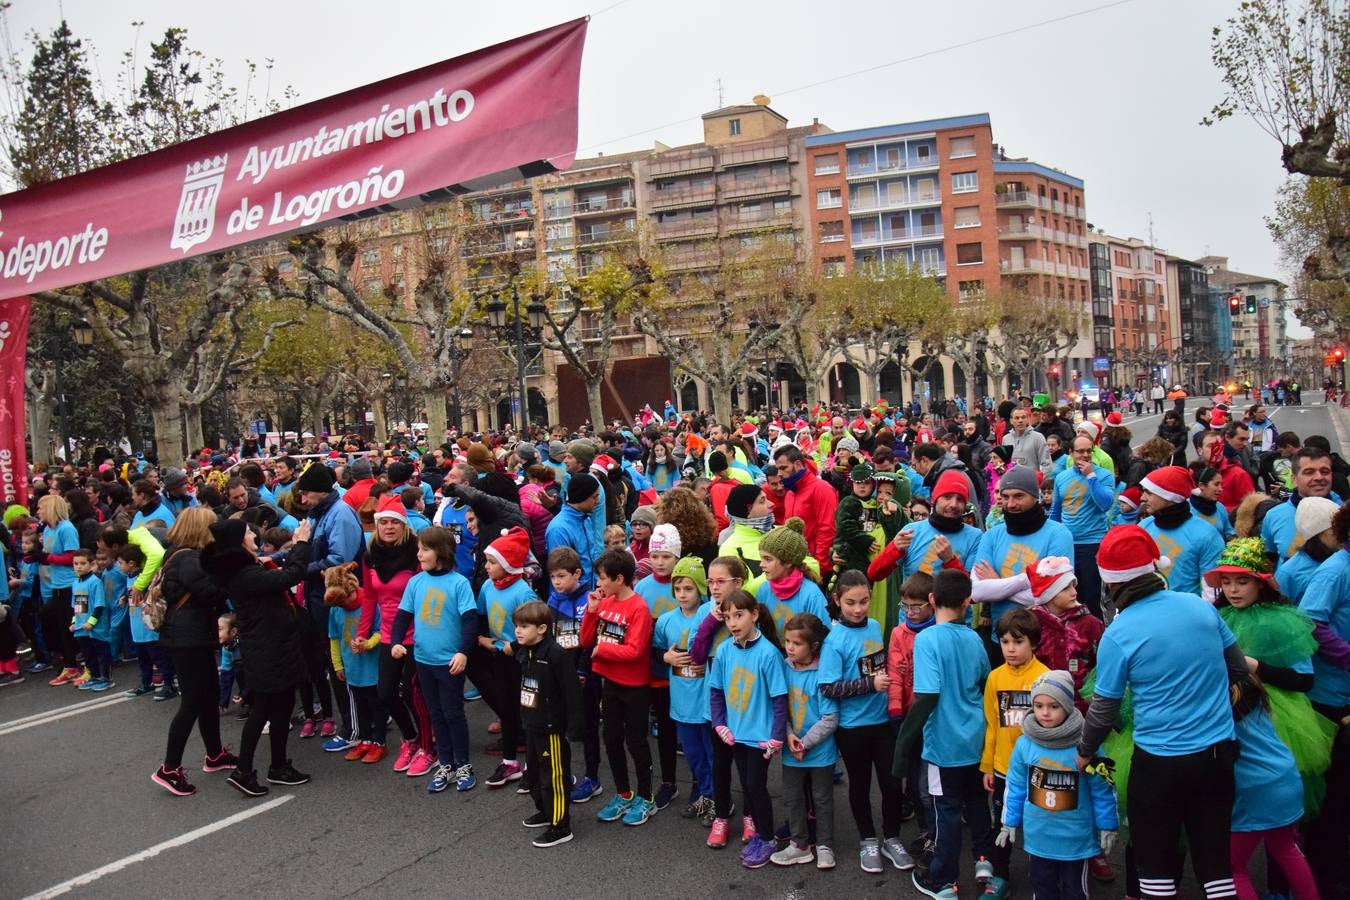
(1015, 624)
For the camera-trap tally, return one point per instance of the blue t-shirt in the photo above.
(660, 595)
(688, 684)
(808, 598)
(806, 706)
(1219, 520)
(453, 520)
(1294, 575)
(1279, 532)
(360, 669)
(950, 661)
(1082, 504)
(1192, 548)
(922, 556)
(497, 606)
(749, 678)
(1168, 649)
(1269, 790)
(417, 521)
(62, 538)
(1327, 600)
(1010, 555)
(438, 603)
(849, 653)
(161, 512)
(1058, 808)
(89, 601)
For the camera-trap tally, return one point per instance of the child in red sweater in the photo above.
(619, 626)
(1070, 633)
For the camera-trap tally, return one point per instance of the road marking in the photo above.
(187, 838)
(51, 712)
(59, 714)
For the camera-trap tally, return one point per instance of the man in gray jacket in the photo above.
(1028, 446)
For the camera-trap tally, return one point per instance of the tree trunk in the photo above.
(40, 429)
(869, 386)
(434, 398)
(812, 390)
(594, 400)
(721, 402)
(192, 424)
(168, 418)
(381, 421)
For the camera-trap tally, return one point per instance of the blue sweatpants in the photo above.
(696, 739)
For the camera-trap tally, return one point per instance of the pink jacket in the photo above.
(1069, 643)
(385, 596)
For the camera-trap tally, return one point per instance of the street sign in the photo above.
(1101, 364)
(1265, 302)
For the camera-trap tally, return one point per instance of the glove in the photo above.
(725, 734)
(1007, 836)
(1108, 841)
(771, 747)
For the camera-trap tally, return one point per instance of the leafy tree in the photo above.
(966, 339)
(1312, 216)
(1032, 328)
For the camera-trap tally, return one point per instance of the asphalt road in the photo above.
(1313, 417)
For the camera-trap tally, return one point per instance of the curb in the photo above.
(1340, 419)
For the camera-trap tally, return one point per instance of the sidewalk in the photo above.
(1340, 418)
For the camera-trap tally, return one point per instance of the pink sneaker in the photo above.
(308, 729)
(422, 763)
(405, 756)
(747, 829)
(717, 837)
(327, 729)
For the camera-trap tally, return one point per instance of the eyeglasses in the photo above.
(918, 515)
(1081, 450)
(718, 582)
(915, 607)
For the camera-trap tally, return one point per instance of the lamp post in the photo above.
(523, 329)
(461, 345)
(83, 333)
(755, 326)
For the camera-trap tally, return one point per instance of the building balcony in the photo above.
(1021, 232)
(755, 223)
(1019, 200)
(690, 196)
(760, 186)
(604, 236)
(873, 170)
(703, 258)
(557, 210)
(598, 205)
(491, 248)
(684, 165)
(881, 204)
(925, 233)
(685, 229)
(516, 212)
(1025, 267)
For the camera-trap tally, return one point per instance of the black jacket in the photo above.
(269, 621)
(194, 624)
(548, 674)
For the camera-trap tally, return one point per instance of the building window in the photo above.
(963, 147)
(969, 290)
(833, 198)
(969, 254)
(782, 207)
(665, 184)
(734, 126)
(831, 232)
(832, 267)
(827, 164)
(967, 217)
(923, 152)
(748, 210)
(370, 258)
(965, 182)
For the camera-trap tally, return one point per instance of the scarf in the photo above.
(502, 584)
(1174, 515)
(945, 524)
(791, 481)
(1318, 551)
(926, 623)
(1065, 734)
(788, 585)
(1204, 505)
(390, 559)
(1023, 523)
(1138, 588)
(764, 524)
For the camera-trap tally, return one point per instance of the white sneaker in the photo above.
(791, 855)
(824, 857)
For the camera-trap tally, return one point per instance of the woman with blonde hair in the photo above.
(190, 635)
(56, 579)
(680, 507)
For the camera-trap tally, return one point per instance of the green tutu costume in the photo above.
(1119, 744)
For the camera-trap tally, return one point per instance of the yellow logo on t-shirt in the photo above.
(798, 702)
(433, 601)
(1018, 557)
(496, 617)
(349, 630)
(1168, 548)
(740, 687)
(781, 613)
(1074, 495)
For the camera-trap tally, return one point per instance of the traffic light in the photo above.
(1054, 370)
(1251, 303)
(1339, 353)
(1234, 305)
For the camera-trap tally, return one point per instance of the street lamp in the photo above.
(755, 326)
(461, 345)
(84, 333)
(523, 329)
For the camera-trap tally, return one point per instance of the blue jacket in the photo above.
(336, 539)
(1058, 808)
(572, 528)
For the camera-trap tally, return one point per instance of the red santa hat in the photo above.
(776, 425)
(1050, 576)
(859, 426)
(1132, 497)
(391, 507)
(511, 551)
(749, 429)
(602, 464)
(1114, 419)
(1091, 429)
(1218, 419)
(1126, 553)
(1173, 483)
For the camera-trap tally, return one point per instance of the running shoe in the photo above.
(374, 753)
(757, 853)
(139, 691)
(639, 811)
(555, 835)
(717, 837)
(220, 762)
(748, 832)
(664, 794)
(354, 752)
(506, 771)
(173, 781)
(99, 685)
(246, 783)
(422, 763)
(464, 780)
(440, 779)
(327, 729)
(615, 809)
(586, 788)
(932, 889)
(338, 743)
(309, 729)
(824, 857)
(869, 856)
(792, 855)
(406, 750)
(287, 775)
(893, 850)
(538, 820)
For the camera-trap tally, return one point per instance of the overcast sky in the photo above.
(1113, 96)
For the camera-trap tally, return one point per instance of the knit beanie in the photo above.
(785, 543)
(583, 451)
(665, 539)
(479, 456)
(581, 487)
(527, 452)
(557, 450)
(1049, 576)
(1091, 429)
(1020, 478)
(691, 567)
(1058, 686)
(13, 511)
(229, 533)
(317, 477)
(1173, 483)
(361, 468)
(391, 507)
(952, 482)
(847, 442)
(173, 477)
(740, 499)
(1311, 517)
(511, 551)
(644, 515)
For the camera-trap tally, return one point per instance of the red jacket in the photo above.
(814, 502)
(1069, 643)
(1237, 484)
(623, 643)
(900, 665)
(358, 492)
(717, 493)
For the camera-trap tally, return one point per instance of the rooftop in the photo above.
(1030, 168)
(885, 131)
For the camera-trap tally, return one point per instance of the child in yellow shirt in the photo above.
(1007, 698)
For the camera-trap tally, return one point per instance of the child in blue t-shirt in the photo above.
(447, 627)
(1067, 817)
(499, 679)
(950, 668)
(748, 691)
(92, 622)
(23, 591)
(231, 659)
(358, 667)
(808, 763)
(853, 672)
(787, 588)
(674, 631)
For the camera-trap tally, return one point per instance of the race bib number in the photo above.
(1053, 790)
(611, 632)
(529, 692)
(872, 663)
(81, 605)
(1013, 707)
(689, 671)
(568, 635)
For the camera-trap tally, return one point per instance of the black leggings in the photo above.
(624, 725)
(865, 749)
(666, 740)
(1170, 793)
(275, 708)
(755, 785)
(395, 689)
(722, 759)
(198, 693)
(56, 614)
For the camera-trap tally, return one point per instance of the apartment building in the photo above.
(1258, 312)
(1200, 319)
(1132, 318)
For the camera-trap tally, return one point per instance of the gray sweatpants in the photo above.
(819, 781)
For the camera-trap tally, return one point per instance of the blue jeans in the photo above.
(444, 694)
(150, 654)
(955, 793)
(1089, 577)
(696, 739)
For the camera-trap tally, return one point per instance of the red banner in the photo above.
(493, 115)
(13, 351)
